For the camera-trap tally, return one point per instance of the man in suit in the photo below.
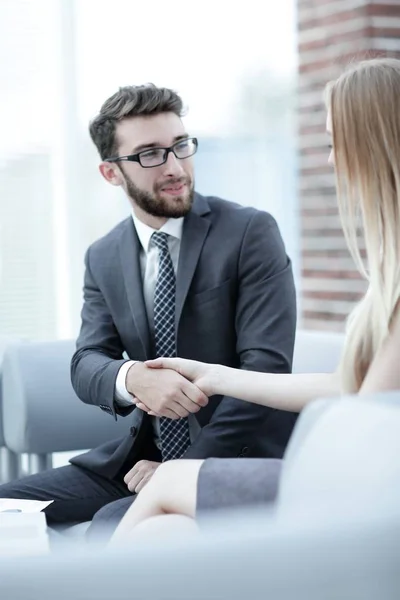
(186, 275)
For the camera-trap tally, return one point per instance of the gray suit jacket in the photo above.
(235, 305)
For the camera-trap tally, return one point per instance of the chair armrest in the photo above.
(41, 412)
(5, 342)
(314, 352)
(348, 455)
(306, 422)
(317, 351)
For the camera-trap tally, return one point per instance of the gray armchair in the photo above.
(41, 413)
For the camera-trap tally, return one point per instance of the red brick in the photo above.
(320, 295)
(332, 274)
(330, 40)
(323, 316)
(340, 16)
(390, 9)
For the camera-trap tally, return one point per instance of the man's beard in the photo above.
(157, 206)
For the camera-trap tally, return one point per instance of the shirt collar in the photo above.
(172, 227)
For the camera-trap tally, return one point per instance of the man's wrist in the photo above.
(122, 396)
(130, 377)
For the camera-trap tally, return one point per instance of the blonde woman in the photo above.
(363, 123)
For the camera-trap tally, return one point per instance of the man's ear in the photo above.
(111, 173)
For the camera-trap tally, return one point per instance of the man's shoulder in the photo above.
(220, 207)
(110, 240)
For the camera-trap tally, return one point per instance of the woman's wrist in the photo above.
(217, 379)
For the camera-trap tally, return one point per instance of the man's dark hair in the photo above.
(130, 101)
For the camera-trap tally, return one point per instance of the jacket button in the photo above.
(132, 431)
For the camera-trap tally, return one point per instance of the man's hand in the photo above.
(204, 376)
(163, 392)
(140, 474)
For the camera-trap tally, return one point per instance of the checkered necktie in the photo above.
(174, 434)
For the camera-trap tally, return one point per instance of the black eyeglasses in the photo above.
(154, 157)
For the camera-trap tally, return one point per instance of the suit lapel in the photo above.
(129, 247)
(194, 233)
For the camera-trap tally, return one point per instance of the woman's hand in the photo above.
(203, 375)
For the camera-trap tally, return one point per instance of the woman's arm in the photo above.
(285, 392)
(292, 392)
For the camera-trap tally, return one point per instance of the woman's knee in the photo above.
(174, 470)
(170, 476)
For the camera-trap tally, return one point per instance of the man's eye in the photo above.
(182, 145)
(150, 153)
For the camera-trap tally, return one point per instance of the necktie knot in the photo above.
(160, 239)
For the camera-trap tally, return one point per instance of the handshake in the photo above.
(171, 387)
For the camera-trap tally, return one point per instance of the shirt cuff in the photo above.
(122, 396)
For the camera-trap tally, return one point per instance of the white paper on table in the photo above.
(24, 506)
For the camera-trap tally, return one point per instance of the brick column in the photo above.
(331, 33)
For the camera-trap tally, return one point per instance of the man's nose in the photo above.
(173, 166)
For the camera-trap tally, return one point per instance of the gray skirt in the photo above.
(235, 482)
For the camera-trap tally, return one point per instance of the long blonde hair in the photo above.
(364, 104)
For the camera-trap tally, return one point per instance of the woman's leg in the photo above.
(165, 527)
(172, 489)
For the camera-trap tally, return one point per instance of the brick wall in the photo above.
(330, 34)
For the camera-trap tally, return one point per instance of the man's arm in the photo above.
(101, 376)
(99, 355)
(265, 326)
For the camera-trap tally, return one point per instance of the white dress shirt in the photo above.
(149, 261)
